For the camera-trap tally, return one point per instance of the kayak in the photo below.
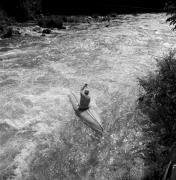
(90, 117)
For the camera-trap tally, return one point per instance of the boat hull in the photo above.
(90, 117)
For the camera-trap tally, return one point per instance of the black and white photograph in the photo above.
(87, 90)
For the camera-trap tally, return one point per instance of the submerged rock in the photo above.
(8, 32)
(46, 31)
(37, 29)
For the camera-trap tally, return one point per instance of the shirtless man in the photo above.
(84, 99)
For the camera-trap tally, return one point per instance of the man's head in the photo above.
(86, 92)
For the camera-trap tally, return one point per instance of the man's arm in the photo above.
(85, 85)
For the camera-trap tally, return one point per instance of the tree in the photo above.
(158, 102)
(22, 10)
(170, 7)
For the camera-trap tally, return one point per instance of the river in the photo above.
(40, 136)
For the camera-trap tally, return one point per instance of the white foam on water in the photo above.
(108, 59)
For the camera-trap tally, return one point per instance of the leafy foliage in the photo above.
(22, 10)
(170, 7)
(158, 103)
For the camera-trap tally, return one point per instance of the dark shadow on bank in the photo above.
(26, 10)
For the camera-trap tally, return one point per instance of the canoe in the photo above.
(90, 117)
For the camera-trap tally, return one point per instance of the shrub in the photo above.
(170, 7)
(5, 22)
(22, 10)
(158, 102)
(51, 22)
(3, 18)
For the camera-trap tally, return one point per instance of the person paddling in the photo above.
(84, 98)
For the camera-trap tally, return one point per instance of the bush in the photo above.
(170, 7)
(51, 22)
(22, 10)
(4, 20)
(158, 102)
(5, 23)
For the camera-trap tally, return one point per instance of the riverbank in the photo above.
(47, 24)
